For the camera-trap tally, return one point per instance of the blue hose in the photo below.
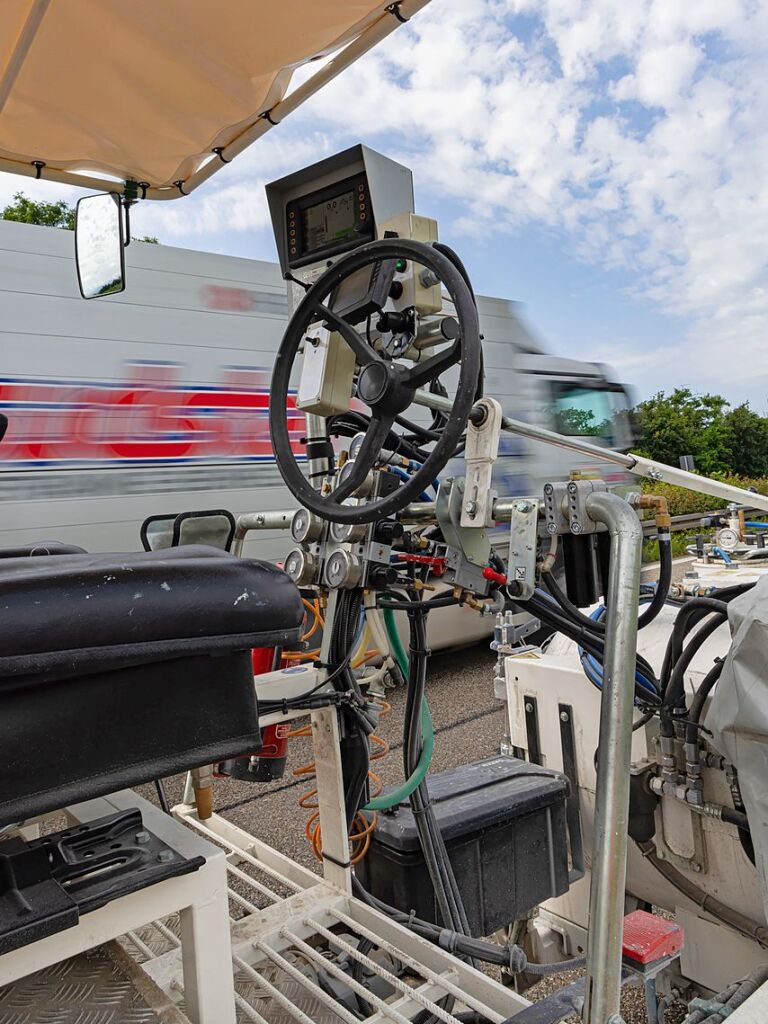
(722, 554)
(404, 476)
(593, 670)
(757, 525)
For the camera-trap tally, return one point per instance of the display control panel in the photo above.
(329, 221)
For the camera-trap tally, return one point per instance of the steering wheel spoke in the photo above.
(363, 351)
(375, 437)
(422, 373)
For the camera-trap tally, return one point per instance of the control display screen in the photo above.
(329, 222)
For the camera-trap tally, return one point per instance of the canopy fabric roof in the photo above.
(145, 90)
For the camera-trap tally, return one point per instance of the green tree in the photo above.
(50, 215)
(685, 423)
(32, 211)
(748, 441)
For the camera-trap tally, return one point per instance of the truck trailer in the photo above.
(161, 393)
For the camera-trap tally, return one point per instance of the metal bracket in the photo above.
(521, 572)
(481, 452)
(469, 550)
(565, 507)
(507, 632)
(696, 863)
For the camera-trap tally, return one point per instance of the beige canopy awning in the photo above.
(164, 92)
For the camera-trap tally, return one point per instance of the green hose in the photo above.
(397, 796)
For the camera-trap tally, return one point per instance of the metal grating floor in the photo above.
(297, 944)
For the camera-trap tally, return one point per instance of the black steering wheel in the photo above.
(383, 384)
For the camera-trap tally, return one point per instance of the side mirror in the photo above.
(99, 245)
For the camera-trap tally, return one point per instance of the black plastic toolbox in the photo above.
(504, 824)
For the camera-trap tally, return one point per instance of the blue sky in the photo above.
(604, 163)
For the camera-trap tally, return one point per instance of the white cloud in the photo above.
(638, 129)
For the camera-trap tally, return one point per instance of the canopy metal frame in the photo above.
(392, 16)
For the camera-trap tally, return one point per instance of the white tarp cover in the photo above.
(145, 89)
(738, 714)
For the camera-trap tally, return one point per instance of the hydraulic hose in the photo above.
(512, 958)
(709, 904)
(674, 693)
(706, 686)
(665, 580)
(403, 792)
(690, 614)
(721, 1006)
(660, 595)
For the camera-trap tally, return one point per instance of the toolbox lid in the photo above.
(476, 797)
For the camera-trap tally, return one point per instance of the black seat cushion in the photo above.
(41, 548)
(119, 669)
(66, 615)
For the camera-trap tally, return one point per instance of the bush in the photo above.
(682, 502)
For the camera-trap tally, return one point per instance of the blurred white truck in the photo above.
(155, 400)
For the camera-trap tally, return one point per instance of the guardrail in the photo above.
(690, 520)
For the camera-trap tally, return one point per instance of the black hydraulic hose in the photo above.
(419, 634)
(591, 643)
(568, 606)
(411, 752)
(649, 613)
(665, 580)
(737, 818)
(709, 904)
(354, 743)
(512, 958)
(706, 686)
(674, 693)
(443, 601)
(730, 999)
(690, 614)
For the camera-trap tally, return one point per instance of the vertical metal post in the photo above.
(609, 847)
(329, 776)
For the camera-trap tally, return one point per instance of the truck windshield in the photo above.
(580, 411)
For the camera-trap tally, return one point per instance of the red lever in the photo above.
(493, 576)
(436, 564)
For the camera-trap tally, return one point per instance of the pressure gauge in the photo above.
(306, 526)
(355, 444)
(300, 565)
(365, 488)
(727, 538)
(344, 534)
(343, 570)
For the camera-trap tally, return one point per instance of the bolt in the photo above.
(165, 856)
(696, 867)
(564, 716)
(528, 707)
(471, 509)
(575, 527)
(551, 528)
(142, 837)
(524, 506)
(654, 474)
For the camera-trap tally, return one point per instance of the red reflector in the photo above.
(648, 938)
